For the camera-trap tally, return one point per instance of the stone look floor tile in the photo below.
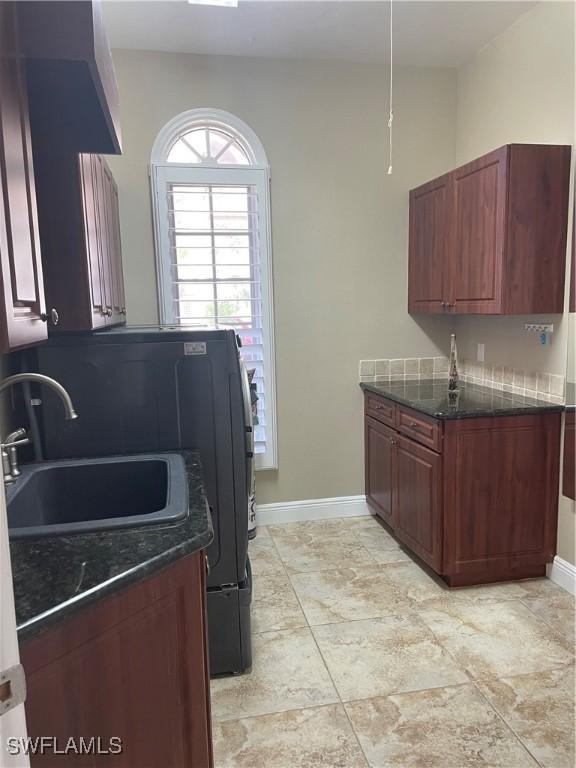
(557, 610)
(274, 604)
(362, 521)
(541, 588)
(264, 557)
(540, 709)
(318, 546)
(441, 728)
(377, 657)
(412, 581)
(307, 738)
(427, 591)
(375, 538)
(288, 673)
(498, 639)
(333, 527)
(512, 638)
(348, 594)
(382, 546)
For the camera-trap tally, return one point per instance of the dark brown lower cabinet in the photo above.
(133, 666)
(418, 490)
(482, 506)
(379, 468)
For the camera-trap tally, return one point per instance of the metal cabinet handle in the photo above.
(52, 317)
(414, 425)
(107, 312)
(392, 441)
(123, 311)
(207, 564)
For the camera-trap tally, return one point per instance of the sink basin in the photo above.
(82, 495)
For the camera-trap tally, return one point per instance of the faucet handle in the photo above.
(16, 443)
(9, 447)
(14, 436)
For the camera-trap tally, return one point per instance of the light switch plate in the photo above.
(480, 353)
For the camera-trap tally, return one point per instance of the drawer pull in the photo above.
(414, 425)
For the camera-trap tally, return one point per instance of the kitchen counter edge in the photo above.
(175, 541)
(518, 405)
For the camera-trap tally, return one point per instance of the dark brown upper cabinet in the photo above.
(21, 288)
(429, 205)
(58, 96)
(72, 86)
(80, 238)
(490, 237)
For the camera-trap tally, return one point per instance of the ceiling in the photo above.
(428, 33)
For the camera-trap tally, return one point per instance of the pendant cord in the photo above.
(391, 115)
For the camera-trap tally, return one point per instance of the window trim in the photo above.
(186, 121)
(257, 174)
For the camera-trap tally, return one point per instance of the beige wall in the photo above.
(520, 88)
(340, 224)
(339, 227)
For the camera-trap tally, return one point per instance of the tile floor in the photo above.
(363, 659)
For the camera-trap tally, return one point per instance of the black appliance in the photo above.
(167, 389)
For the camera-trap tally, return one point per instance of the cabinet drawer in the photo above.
(424, 430)
(381, 410)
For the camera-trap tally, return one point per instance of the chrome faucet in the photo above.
(9, 446)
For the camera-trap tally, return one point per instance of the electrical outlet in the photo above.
(480, 353)
(539, 327)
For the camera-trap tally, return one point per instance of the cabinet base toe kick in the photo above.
(492, 576)
(480, 507)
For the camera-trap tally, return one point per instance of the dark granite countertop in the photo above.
(431, 397)
(570, 396)
(54, 576)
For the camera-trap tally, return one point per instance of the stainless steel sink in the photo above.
(81, 495)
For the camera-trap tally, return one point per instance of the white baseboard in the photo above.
(563, 573)
(311, 509)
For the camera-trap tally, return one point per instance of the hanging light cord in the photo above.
(391, 115)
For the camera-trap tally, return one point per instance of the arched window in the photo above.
(210, 191)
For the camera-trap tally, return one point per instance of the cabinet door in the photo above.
(417, 501)
(22, 290)
(101, 185)
(379, 468)
(133, 666)
(88, 182)
(478, 235)
(114, 247)
(428, 246)
(501, 484)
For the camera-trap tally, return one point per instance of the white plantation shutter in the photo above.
(213, 253)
